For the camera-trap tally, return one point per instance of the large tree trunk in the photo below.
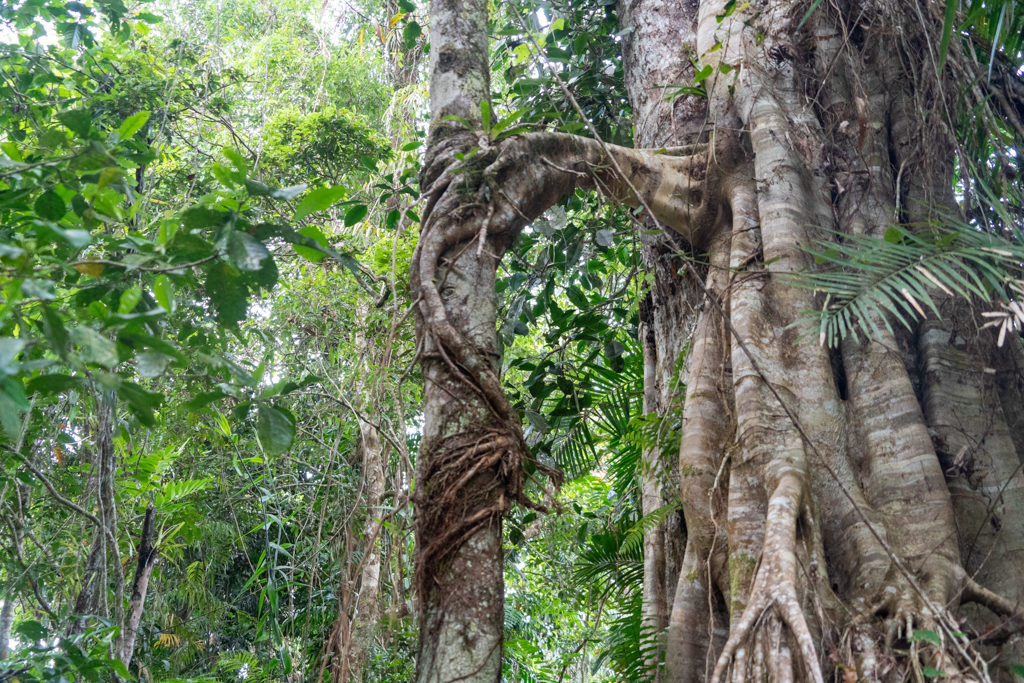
(835, 501)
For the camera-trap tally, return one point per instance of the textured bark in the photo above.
(653, 59)
(367, 609)
(355, 628)
(461, 586)
(834, 501)
(148, 556)
(6, 622)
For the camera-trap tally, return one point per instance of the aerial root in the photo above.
(773, 630)
(763, 640)
(1011, 613)
(905, 621)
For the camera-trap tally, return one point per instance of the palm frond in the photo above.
(605, 559)
(875, 281)
(633, 542)
(630, 646)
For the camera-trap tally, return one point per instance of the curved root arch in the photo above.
(474, 209)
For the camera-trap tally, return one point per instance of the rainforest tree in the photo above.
(851, 484)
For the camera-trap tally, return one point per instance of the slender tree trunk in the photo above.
(105, 555)
(87, 600)
(353, 634)
(471, 443)
(652, 479)
(6, 622)
(148, 556)
(367, 611)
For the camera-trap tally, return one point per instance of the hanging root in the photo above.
(475, 471)
(772, 635)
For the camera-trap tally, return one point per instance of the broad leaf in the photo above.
(275, 427)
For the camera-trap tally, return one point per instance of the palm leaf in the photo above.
(874, 281)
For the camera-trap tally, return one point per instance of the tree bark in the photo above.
(148, 555)
(817, 485)
(6, 622)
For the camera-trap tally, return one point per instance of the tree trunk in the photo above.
(841, 506)
(366, 613)
(92, 597)
(358, 606)
(6, 622)
(148, 556)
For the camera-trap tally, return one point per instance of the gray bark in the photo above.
(148, 555)
(6, 622)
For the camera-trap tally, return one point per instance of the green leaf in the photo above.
(604, 238)
(537, 421)
(50, 206)
(53, 384)
(152, 363)
(54, 331)
(1017, 670)
(204, 399)
(266, 276)
(9, 350)
(275, 428)
(290, 192)
(355, 214)
(926, 636)
(578, 298)
(132, 125)
(94, 158)
(256, 188)
(32, 630)
(947, 30)
(809, 12)
(929, 671)
(95, 348)
(198, 217)
(142, 403)
(410, 33)
(130, 298)
(614, 349)
(227, 293)
(702, 73)
(9, 415)
(237, 160)
(485, 114)
(521, 52)
(163, 292)
(78, 121)
(176, 490)
(118, 666)
(224, 175)
(75, 237)
(318, 200)
(246, 252)
(310, 253)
